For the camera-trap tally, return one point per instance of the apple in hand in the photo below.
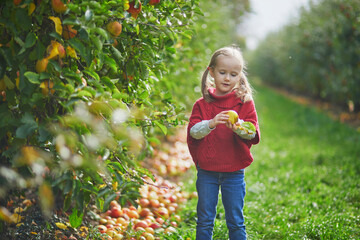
(233, 116)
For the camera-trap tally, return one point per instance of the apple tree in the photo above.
(80, 103)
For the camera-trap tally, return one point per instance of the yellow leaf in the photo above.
(19, 224)
(29, 156)
(16, 218)
(5, 214)
(126, 5)
(61, 225)
(18, 210)
(17, 81)
(34, 233)
(71, 52)
(115, 185)
(84, 229)
(2, 85)
(58, 26)
(53, 49)
(31, 8)
(46, 198)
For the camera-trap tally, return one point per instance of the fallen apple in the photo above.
(116, 212)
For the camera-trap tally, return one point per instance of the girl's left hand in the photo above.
(232, 126)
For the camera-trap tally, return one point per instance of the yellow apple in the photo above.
(114, 28)
(233, 116)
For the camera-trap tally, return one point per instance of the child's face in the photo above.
(226, 74)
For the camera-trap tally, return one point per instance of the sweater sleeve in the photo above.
(201, 129)
(196, 117)
(251, 116)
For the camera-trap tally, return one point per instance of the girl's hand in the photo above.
(220, 118)
(233, 126)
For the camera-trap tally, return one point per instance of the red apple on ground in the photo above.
(142, 224)
(102, 228)
(155, 225)
(144, 202)
(144, 212)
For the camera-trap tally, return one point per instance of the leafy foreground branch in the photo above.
(155, 214)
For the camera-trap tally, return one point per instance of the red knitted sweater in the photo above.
(222, 150)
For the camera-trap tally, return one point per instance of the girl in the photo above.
(219, 149)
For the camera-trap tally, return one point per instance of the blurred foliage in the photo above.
(217, 27)
(80, 103)
(318, 55)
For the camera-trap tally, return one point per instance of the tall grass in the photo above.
(304, 182)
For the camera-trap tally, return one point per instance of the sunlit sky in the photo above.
(268, 16)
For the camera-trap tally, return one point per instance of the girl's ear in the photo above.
(211, 69)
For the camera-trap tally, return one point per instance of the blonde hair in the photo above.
(242, 89)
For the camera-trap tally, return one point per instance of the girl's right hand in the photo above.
(220, 118)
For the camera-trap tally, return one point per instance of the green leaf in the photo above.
(249, 127)
(107, 82)
(88, 15)
(144, 71)
(71, 21)
(75, 219)
(101, 32)
(67, 202)
(92, 74)
(97, 42)
(29, 126)
(9, 84)
(161, 126)
(111, 63)
(80, 47)
(84, 93)
(44, 135)
(143, 95)
(44, 75)
(30, 40)
(25, 130)
(108, 199)
(33, 77)
(116, 53)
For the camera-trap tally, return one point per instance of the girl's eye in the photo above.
(222, 72)
(234, 74)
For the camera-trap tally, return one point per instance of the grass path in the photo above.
(304, 182)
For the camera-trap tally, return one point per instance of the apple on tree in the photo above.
(154, 2)
(133, 10)
(114, 28)
(59, 6)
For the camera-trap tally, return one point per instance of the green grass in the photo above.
(304, 182)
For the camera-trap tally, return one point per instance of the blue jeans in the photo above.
(233, 192)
